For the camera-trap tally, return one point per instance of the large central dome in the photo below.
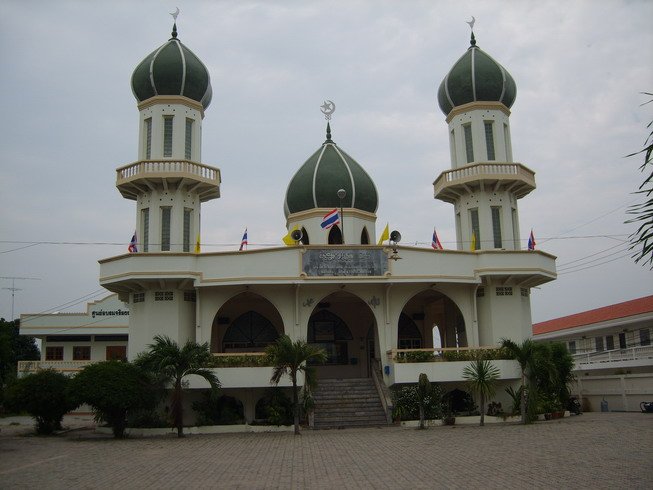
(316, 183)
(172, 69)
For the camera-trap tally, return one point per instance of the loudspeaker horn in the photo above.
(296, 235)
(395, 236)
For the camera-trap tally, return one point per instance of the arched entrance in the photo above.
(246, 323)
(422, 313)
(341, 324)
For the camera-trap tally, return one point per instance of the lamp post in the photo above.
(341, 195)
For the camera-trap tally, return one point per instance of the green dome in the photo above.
(476, 77)
(316, 183)
(172, 69)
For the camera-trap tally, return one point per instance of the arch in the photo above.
(422, 312)
(305, 240)
(247, 322)
(365, 237)
(335, 235)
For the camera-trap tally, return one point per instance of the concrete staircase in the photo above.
(351, 402)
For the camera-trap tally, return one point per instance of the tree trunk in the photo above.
(522, 404)
(422, 425)
(482, 409)
(178, 409)
(295, 402)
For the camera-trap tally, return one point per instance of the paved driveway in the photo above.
(594, 450)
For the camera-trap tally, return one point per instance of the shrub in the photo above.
(114, 389)
(45, 396)
(275, 408)
(406, 402)
(214, 409)
(415, 356)
(240, 361)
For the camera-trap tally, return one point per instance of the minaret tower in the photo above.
(168, 181)
(484, 183)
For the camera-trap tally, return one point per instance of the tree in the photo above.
(291, 358)
(423, 392)
(114, 389)
(13, 348)
(481, 376)
(524, 354)
(172, 364)
(45, 396)
(643, 211)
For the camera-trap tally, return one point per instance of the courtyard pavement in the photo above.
(593, 450)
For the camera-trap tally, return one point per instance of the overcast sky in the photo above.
(70, 119)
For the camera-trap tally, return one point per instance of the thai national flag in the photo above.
(132, 245)
(531, 241)
(435, 241)
(243, 242)
(330, 219)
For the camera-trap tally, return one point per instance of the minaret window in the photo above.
(469, 144)
(148, 138)
(187, 216)
(165, 229)
(506, 141)
(476, 231)
(489, 140)
(305, 240)
(145, 234)
(189, 138)
(335, 236)
(496, 226)
(167, 136)
(365, 238)
(452, 145)
(515, 229)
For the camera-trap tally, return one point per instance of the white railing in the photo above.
(478, 169)
(145, 167)
(629, 354)
(64, 366)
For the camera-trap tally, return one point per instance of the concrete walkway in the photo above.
(594, 450)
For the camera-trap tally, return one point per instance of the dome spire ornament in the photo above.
(327, 109)
(174, 25)
(471, 23)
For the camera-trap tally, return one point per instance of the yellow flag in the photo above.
(473, 246)
(385, 235)
(197, 244)
(288, 239)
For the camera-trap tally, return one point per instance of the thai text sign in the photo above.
(344, 262)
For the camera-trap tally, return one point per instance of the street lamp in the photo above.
(341, 195)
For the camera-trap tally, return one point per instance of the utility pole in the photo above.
(13, 289)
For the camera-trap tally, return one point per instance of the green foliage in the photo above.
(171, 364)
(114, 389)
(406, 402)
(291, 358)
(45, 396)
(13, 348)
(515, 396)
(452, 355)
(481, 376)
(275, 408)
(148, 418)
(240, 361)
(642, 239)
(216, 409)
(415, 356)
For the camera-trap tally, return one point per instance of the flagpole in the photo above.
(341, 195)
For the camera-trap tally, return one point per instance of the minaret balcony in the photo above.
(511, 177)
(142, 176)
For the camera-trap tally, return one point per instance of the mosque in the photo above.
(365, 299)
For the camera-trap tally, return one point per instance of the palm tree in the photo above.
(172, 364)
(290, 358)
(481, 376)
(524, 354)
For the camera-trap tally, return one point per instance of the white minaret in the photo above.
(484, 184)
(168, 181)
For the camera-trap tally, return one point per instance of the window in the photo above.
(496, 226)
(145, 236)
(515, 229)
(329, 332)
(503, 291)
(163, 295)
(480, 292)
(305, 240)
(644, 336)
(525, 292)
(609, 342)
(81, 353)
(190, 296)
(452, 145)
(138, 298)
(189, 138)
(506, 141)
(489, 140)
(148, 138)
(572, 346)
(598, 342)
(187, 216)
(335, 235)
(116, 352)
(469, 144)
(622, 341)
(54, 353)
(476, 231)
(365, 238)
(251, 331)
(165, 229)
(167, 136)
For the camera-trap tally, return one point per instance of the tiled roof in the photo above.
(612, 312)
